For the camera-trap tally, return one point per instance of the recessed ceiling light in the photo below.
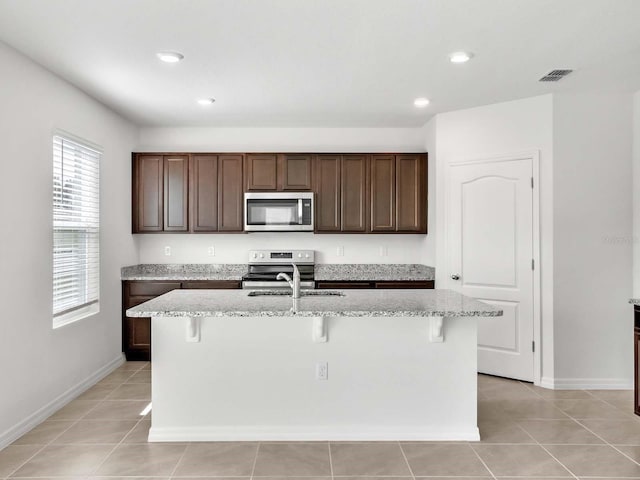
(421, 102)
(460, 57)
(170, 57)
(206, 101)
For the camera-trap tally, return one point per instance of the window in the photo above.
(76, 230)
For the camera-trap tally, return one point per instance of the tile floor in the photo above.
(526, 432)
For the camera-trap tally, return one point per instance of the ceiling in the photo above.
(328, 63)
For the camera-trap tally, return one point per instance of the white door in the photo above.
(490, 241)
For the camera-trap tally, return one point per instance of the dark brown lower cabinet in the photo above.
(636, 359)
(136, 331)
(347, 285)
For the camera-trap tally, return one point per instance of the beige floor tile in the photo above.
(443, 460)
(98, 392)
(133, 365)
(375, 459)
(509, 391)
(549, 394)
(44, 433)
(488, 411)
(140, 433)
(142, 376)
(533, 478)
(142, 460)
(632, 451)
(364, 477)
(294, 459)
(594, 461)
(74, 410)
(218, 459)
(117, 376)
(593, 408)
(131, 391)
(96, 431)
(622, 399)
(13, 456)
(528, 409)
(503, 431)
(622, 432)
(68, 460)
(558, 431)
(519, 460)
(456, 478)
(118, 410)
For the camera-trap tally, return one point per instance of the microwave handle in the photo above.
(299, 211)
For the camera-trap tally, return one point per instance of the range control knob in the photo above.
(255, 255)
(262, 255)
(306, 255)
(299, 255)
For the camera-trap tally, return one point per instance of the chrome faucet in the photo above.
(295, 283)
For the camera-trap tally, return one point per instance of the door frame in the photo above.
(534, 157)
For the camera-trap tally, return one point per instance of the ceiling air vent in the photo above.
(555, 75)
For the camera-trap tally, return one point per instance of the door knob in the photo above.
(455, 277)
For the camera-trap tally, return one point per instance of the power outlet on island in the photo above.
(340, 251)
(322, 371)
(211, 251)
(167, 251)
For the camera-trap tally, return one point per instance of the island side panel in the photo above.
(253, 378)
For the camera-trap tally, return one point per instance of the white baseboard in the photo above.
(586, 383)
(310, 433)
(22, 427)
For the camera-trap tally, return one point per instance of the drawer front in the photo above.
(151, 288)
(427, 284)
(212, 284)
(344, 285)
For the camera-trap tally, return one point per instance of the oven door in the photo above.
(278, 212)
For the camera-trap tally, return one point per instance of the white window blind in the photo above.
(76, 230)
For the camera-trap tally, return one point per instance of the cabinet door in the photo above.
(636, 367)
(354, 193)
(411, 193)
(262, 172)
(295, 171)
(230, 194)
(383, 193)
(204, 193)
(147, 195)
(327, 187)
(176, 190)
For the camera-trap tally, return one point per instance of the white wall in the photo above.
(636, 195)
(39, 363)
(233, 248)
(498, 130)
(592, 205)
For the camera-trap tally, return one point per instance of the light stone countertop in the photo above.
(186, 271)
(373, 272)
(323, 272)
(354, 303)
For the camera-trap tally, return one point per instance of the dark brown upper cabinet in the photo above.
(327, 188)
(353, 193)
(204, 193)
(411, 193)
(176, 193)
(160, 197)
(273, 172)
(262, 172)
(216, 193)
(230, 193)
(295, 171)
(383, 193)
(147, 194)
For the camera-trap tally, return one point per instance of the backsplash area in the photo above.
(233, 248)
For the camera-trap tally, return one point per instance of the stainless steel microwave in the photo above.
(278, 212)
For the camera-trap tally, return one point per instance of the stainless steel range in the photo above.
(265, 265)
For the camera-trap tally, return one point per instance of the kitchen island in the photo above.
(351, 365)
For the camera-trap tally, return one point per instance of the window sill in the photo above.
(76, 315)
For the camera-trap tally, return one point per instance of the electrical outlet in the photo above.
(384, 251)
(340, 251)
(211, 251)
(322, 371)
(167, 251)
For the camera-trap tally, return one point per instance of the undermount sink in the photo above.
(303, 293)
